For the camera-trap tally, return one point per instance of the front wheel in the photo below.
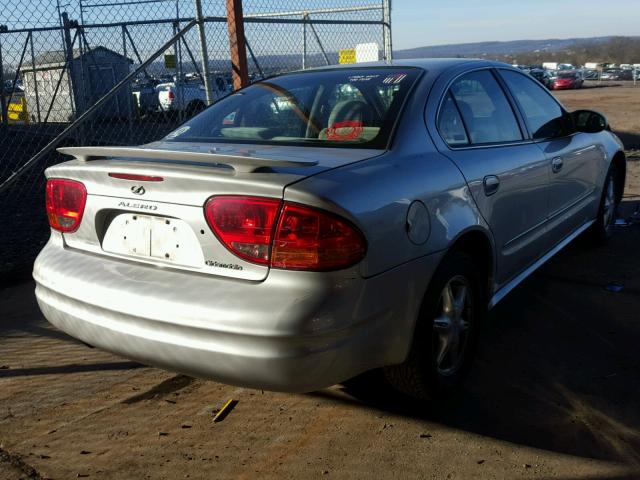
(603, 227)
(445, 333)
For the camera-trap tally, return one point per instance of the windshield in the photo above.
(337, 108)
(567, 75)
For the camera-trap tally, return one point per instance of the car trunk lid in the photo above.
(147, 204)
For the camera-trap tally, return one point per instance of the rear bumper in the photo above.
(295, 331)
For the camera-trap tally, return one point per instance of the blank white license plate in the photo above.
(163, 238)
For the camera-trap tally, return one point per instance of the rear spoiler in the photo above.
(241, 164)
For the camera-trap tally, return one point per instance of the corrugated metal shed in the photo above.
(92, 73)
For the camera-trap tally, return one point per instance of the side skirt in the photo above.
(502, 292)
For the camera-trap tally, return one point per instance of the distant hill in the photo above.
(496, 49)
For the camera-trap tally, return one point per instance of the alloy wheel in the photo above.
(609, 206)
(452, 324)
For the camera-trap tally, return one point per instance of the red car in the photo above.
(568, 80)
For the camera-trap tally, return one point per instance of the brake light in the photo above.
(284, 235)
(65, 201)
(136, 177)
(171, 95)
(244, 224)
(310, 239)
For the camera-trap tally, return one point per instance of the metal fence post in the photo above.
(204, 53)
(3, 101)
(130, 106)
(235, 25)
(386, 30)
(179, 81)
(35, 77)
(68, 53)
(305, 17)
(77, 92)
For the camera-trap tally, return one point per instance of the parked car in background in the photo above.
(617, 74)
(591, 74)
(324, 223)
(8, 88)
(189, 98)
(568, 80)
(543, 77)
(146, 97)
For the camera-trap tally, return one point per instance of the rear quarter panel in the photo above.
(376, 194)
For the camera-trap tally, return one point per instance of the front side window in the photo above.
(485, 110)
(337, 108)
(545, 117)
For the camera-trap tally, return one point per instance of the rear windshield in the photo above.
(567, 75)
(337, 108)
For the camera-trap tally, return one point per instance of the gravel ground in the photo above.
(554, 394)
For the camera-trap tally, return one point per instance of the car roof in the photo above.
(433, 65)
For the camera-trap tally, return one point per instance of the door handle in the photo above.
(556, 164)
(491, 184)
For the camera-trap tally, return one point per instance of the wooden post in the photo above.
(238, 49)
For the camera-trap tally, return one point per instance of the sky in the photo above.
(418, 23)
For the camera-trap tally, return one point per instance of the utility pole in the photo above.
(237, 45)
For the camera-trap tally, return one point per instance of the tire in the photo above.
(424, 375)
(602, 229)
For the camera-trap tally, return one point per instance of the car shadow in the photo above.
(631, 140)
(73, 368)
(557, 365)
(20, 313)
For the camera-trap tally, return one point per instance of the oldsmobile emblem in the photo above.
(138, 190)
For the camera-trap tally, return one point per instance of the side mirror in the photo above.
(588, 121)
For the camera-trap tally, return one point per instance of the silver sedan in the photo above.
(321, 224)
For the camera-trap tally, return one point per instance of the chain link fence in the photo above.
(127, 72)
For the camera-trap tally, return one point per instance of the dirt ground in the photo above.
(554, 394)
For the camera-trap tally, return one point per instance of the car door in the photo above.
(574, 158)
(507, 175)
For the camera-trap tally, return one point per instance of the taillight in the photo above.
(311, 239)
(171, 95)
(284, 235)
(65, 204)
(244, 224)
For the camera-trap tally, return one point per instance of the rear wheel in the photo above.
(445, 334)
(603, 227)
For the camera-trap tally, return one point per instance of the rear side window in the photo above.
(450, 123)
(544, 116)
(486, 112)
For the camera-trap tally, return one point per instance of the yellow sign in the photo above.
(17, 111)
(347, 56)
(170, 61)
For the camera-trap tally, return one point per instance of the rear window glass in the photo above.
(337, 108)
